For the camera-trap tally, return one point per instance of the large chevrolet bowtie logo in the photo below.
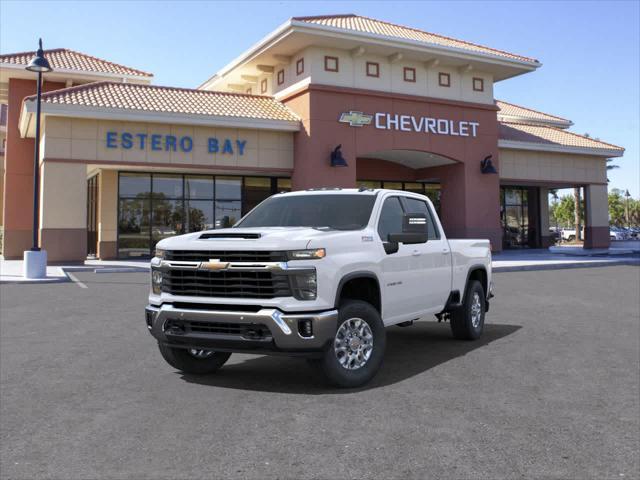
(355, 119)
(213, 265)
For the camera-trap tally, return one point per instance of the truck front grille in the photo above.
(225, 256)
(230, 283)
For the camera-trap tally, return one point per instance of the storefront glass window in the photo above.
(519, 219)
(228, 188)
(414, 187)
(393, 185)
(199, 215)
(256, 189)
(155, 206)
(134, 227)
(228, 212)
(167, 218)
(369, 184)
(167, 186)
(198, 188)
(135, 185)
(284, 185)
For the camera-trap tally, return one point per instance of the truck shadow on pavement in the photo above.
(410, 351)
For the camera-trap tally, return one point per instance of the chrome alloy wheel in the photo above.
(200, 353)
(476, 310)
(353, 344)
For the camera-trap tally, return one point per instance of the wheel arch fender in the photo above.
(477, 272)
(372, 280)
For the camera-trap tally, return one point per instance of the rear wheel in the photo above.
(194, 360)
(467, 322)
(356, 352)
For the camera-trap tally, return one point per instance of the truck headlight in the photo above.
(304, 286)
(313, 254)
(156, 281)
(160, 253)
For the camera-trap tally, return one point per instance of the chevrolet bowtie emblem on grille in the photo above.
(356, 119)
(213, 265)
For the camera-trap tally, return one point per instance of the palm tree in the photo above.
(611, 167)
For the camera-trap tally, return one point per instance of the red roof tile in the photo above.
(65, 59)
(513, 110)
(544, 135)
(370, 25)
(152, 98)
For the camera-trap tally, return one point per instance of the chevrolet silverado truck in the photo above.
(319, 274)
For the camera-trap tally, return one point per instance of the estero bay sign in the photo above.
(171, 143)
(411, 123)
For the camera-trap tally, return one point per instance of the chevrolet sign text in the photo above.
(438, 126)
(410, 123)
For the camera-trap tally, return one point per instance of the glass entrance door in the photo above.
(92, 216)
(519, 217)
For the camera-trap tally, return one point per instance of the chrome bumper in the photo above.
(284, 328)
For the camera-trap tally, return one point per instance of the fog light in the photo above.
(156, 281)
(305, 328)
(149, 318)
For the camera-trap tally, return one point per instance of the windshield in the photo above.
(340, 212)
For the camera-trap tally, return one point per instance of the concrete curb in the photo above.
(565, 266)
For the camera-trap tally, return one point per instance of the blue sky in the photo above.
(589, 50)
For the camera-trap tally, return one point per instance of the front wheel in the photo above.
(196, 361)
(467, 322)
(356, 352)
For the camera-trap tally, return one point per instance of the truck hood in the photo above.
(266, 238)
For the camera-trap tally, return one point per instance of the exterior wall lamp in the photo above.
(35, 260)
(337, 160)
(486, 165)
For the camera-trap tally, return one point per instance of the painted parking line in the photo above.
(75, 280)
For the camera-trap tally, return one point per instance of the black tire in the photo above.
(330, 363)
(571, 238)
(184, 361)
(462, 325)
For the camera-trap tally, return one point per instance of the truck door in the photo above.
(433, 259)
(400, 272)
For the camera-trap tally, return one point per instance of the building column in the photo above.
(596, 216)
(546, 240)
(469, 202)
(107, 214)
(63, 211)
(312, 150)
(18, 173)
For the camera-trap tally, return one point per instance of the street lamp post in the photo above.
(626, 208)
(35, 260)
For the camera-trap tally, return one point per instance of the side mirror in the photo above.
(414, 229)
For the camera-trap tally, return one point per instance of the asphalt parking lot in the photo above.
(551, 391)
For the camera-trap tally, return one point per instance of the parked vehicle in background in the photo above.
(619, 234)
(319, 274)
(569, 234)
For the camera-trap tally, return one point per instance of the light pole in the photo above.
(626, 208)
(35, 260)
(555, 214)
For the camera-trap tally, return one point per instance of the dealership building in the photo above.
(330, 101)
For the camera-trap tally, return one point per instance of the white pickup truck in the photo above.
(316, 273)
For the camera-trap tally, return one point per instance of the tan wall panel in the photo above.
(108, 206)
(63, 195)
(553, 167)
(81, 139)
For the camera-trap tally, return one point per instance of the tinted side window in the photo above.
(390, 218)
(418, 206)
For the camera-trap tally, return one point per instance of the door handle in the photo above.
(416, 253)
(445, 251)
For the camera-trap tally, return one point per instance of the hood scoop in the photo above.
(245, 236)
